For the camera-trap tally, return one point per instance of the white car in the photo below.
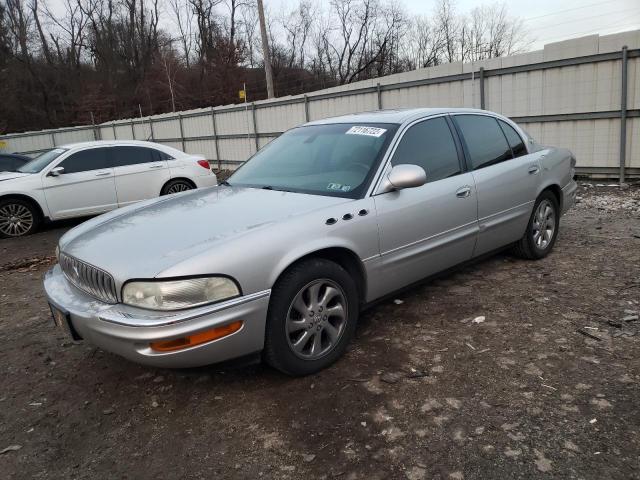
(90, 178)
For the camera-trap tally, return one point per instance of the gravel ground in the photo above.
(504, 369)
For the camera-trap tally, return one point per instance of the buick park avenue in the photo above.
(277, 262)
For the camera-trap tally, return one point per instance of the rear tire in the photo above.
(18, 218)
(542, 229)
(176, 186)
(312, 316)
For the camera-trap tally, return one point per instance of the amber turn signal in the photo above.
(197, 338)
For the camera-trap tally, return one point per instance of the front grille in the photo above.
(89, 279)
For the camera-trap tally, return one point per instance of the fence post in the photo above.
(623, 115)
(133, 131)
(255, 128)
(215, 137)
(53, 138)
(95, 130)
(482, 88)
(379, 92)
(113, 127)
(153, 137)
(306, 108)
(181, 133)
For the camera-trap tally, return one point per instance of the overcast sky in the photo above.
(546, 20)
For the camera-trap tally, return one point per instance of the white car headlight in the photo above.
(178, 294)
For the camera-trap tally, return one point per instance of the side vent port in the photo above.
(347, 216)
(331, 221)
(363, 212)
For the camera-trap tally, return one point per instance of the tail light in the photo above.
(204, 164)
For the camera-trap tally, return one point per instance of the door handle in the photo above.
(463, 192)
(155, 166)
(102, 174)
(533, 169)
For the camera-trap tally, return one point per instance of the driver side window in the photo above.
(86, 160)
(430, 145)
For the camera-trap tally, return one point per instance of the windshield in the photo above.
(336, 160)
(38, 163)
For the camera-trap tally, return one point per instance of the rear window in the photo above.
(122, 156)
(485, 141)
(515, 140)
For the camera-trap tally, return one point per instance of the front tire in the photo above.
(18, 218)
(312, 316)
(542, 229)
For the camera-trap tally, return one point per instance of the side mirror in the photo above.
(56, 172)
(404, 176)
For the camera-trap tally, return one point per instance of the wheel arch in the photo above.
(557, 192)
(173, 179)
(25, 198)
(344, 257)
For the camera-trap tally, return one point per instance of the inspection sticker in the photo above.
(369, 131)
(339, 187)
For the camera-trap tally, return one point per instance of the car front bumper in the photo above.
(129, 331)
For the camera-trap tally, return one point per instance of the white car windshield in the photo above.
(336, 159)
(41, 161)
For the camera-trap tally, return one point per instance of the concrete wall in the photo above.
(567, 94)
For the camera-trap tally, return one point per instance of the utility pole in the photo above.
(265, 51)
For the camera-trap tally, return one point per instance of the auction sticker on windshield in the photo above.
(369, 131)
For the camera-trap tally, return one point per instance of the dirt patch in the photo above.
(428, 389)
(29, 264)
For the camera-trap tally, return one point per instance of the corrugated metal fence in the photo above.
(583, 94)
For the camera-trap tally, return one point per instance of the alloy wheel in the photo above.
(179, 187)
(316, 319)
(544, 224)
(15, 220)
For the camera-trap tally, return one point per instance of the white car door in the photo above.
(139, 173)
(86, 187)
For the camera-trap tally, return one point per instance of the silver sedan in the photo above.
(278, 261)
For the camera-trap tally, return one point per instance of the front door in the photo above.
(86, 187)
(430, 228)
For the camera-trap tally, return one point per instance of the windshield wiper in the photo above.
(225, 183)
(269, 187)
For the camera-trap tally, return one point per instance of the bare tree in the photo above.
(106, 57)
(183, 18)
(361, 35)
(248, 26)
(297, 25)
(449, 25)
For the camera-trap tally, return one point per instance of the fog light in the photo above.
(197, 338)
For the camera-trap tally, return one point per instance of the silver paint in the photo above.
(253, 235)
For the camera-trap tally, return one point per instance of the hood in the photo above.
(12, 175)
(142, 241)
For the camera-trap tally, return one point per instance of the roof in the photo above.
(398, 116)
(105, 143)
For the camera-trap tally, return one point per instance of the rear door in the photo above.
(85, 188)
(506, 177)
(139, 173)
(430, 228)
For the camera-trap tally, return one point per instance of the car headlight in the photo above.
(178, 294)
